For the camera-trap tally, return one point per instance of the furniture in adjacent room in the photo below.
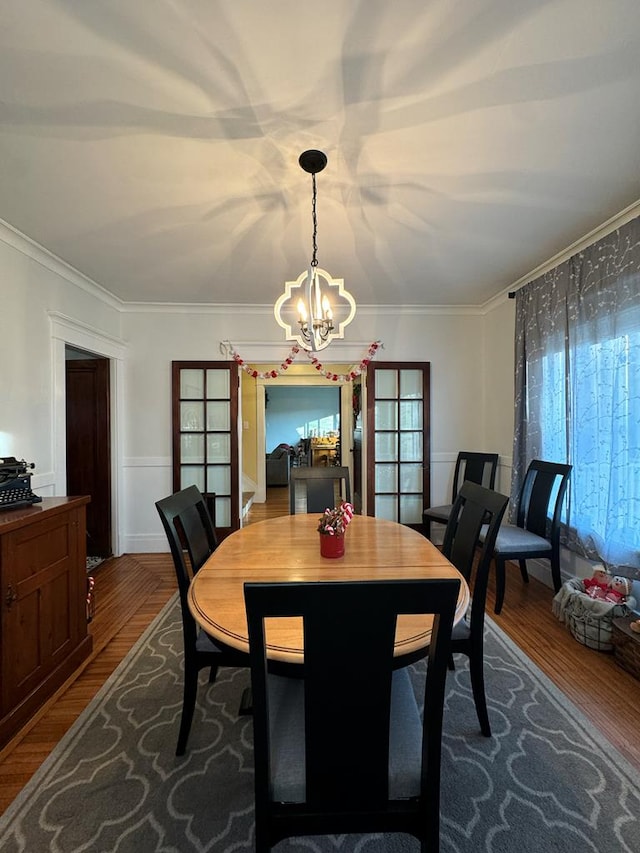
(474, 507)
(536, 532)
(188, 525)
(302, 452)
(43, 625)
(323, 487)
(343, 748)
(287, 549)
(476, 467)
(278, 464)
(323, 451)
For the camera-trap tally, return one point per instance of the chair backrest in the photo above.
(475, 508)
(477, 468)
(349, 632)
(187, 523)
(541, 497)
(324, 487)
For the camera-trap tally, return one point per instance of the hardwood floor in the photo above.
(131, 590)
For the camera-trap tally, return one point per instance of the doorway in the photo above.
(296, 412)
(254, 432)
(88, 445)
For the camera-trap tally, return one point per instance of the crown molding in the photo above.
(19, 241)
(26, 246)
(615, 222)
(232, 309)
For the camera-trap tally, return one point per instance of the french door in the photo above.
(205, 436)
(398, 441)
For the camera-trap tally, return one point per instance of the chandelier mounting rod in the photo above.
(313, 161)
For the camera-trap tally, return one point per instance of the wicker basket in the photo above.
(590, 621)
(626, 645)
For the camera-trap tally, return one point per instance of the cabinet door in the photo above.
(43, 607)
(398, 435)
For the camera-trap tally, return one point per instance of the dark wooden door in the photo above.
(357, 443)
(398, 441)
(89, 446)
(205, 436)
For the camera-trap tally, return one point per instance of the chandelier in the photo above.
(315, 308)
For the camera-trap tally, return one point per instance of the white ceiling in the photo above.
(153, 144)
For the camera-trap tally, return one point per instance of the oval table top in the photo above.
(286, 549)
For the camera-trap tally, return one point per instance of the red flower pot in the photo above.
(331, 546)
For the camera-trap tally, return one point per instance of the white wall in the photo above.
(37, 292)
(497, 386)
(45, 303)
(453, 344)
(36, 287)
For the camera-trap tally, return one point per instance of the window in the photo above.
(578, 391)
(603, 422)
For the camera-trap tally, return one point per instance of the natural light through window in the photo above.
(599, 420)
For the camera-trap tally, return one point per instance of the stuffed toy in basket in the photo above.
(589, 607)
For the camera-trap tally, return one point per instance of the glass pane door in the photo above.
(205, 436)
(398, 457)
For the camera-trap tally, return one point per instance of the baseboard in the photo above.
(247, 502)
(144, 544)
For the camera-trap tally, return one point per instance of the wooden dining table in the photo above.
(287, 549)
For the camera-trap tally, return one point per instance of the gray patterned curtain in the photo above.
(577, 390)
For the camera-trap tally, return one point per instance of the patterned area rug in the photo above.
(546, 780)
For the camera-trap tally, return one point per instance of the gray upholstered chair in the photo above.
(324, 487)
(343, 748)
(536, 532)
(477, 468)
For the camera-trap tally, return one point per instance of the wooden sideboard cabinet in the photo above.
(43, 623)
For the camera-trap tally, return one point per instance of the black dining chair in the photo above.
(476, 467)
(323, 487)
(474, 507)
(322, 766)
(188, 526)
(536, 532)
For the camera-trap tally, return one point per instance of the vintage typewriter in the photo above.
(15, 483)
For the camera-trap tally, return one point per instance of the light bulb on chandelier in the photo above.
(315, 315)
